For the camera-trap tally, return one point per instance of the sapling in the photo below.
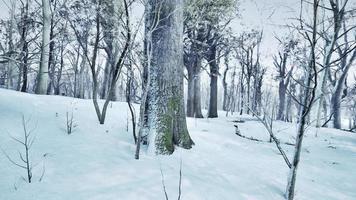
(179, 184)
(70, 123)
(26, 142)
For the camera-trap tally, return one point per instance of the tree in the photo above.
(163, 117)
(204, 27)
(42, 77)
(248, 55)
(92, 59)
(283, 76)
(338, 18)
(193, 48)
(24, 32)
(345, 64)
(309, 87)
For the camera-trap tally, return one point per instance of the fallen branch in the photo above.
(276, 141)
(237, 132)
(258, 140)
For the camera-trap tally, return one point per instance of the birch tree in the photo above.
(42, 77)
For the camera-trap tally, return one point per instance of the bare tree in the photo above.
(26, 142)
(346, 61)
(338, 18)
(307, 101)
(283, 76)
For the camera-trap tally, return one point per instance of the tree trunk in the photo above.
(12, 56)
(24, 53)
(197, 94)
(336, 99)
(242, 91)
(248, 81)
(214, 72)
(282, 99)
(190, 96)
(57, 87)
(165, 122)
(226, 96)
(80, 88)
(338, 18)
(308, 99)
(105, 85)
(194, 89)
(42, 77)
(51, 64)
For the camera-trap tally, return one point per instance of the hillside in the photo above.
(96, 162)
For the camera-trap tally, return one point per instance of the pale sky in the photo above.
(268, 15)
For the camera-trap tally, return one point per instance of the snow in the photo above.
(96, 162)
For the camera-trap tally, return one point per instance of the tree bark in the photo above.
(12, 56)
(214, 72)
(163, 105)
(24, 53)
(42, 77)
(224, 83)
(282, 100)
(194, 89)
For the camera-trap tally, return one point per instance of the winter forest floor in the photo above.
(96, 162)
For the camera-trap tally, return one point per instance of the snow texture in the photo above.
(96, 162)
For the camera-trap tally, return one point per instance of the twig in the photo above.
(164, 186)
(180, 180)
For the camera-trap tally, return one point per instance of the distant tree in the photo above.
(204, 27)
(248, 56)
(283, 74)
(332, 33)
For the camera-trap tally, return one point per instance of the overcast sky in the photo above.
(268, 15)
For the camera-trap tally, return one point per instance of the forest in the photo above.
(177, 99)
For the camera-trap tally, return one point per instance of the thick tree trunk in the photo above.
(42, 77)
(214, 72)
(165, 122)
(194, 90)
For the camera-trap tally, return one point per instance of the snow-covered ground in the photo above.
(96, 162)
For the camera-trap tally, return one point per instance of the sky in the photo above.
(268, 15)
